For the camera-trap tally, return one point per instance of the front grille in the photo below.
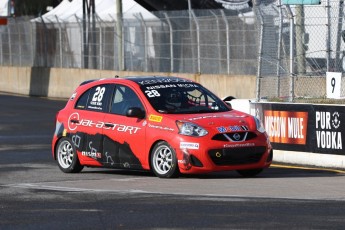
(234, 137)
(235, 156)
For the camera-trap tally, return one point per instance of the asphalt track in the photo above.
(35, 194)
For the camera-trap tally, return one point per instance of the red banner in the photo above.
(286, 127)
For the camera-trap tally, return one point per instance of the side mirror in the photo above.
(227, 101)
(135, 112)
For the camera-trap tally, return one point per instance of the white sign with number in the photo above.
(333, 84)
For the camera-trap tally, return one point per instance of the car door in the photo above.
(87, 119)
(124, 137)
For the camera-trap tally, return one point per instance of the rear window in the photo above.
(96, 98)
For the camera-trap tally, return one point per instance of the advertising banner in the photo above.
(328, 128)
(303, 127)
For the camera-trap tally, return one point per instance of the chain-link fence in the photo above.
(214, 42)
(288, 48)
(299, 45)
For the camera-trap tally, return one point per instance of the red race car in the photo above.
(168, 125)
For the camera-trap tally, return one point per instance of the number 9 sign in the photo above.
(333, 84)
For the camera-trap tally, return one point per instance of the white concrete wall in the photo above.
(60, 83)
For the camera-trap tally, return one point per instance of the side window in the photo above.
(81, 103)
(96, 98)
(123, 99)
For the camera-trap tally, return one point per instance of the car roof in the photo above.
(151, 80)
(142, 80)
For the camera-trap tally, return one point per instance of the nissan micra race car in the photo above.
(165, 124)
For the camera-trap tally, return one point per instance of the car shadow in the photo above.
(272, 172)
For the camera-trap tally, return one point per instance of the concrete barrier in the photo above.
(60, 83)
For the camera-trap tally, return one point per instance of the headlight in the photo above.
(259, 125)
(190, 129)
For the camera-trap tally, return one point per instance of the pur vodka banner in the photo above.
(303, 127)
(328, 129)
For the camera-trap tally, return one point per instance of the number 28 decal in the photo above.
(152, 93)
(98, 95)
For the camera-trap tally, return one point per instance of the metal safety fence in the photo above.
(288, 48)
(214, 42)
(298, 45)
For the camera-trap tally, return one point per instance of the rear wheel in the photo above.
(164, 161)
(249, 172)
(67, 157)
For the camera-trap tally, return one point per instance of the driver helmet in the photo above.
(174, 99)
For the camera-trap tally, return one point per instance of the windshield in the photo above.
(182, 98)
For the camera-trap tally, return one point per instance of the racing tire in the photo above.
(164, 161)
(249, 172)
(67, 157)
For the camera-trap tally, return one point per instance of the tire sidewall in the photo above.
(174, 170)
(75, 166)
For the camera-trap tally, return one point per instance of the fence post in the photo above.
(114, 41)
(141, 20)
(198, 40)
(119, 31)
(1, 51)
(100, 43)
(129, 39)
(93, 35)
(300, 32)
(292, 55)
(33, 27)
(258, 75)
(191, 32)
(81, 41)
(9, 44)
(171, 43)
(218, 41)
(85, 42)
(227, 43)
(338, 62)
(60, 40)
(20, 45)
(328, 39)
(279, 46)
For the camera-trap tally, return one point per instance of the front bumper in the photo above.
(224, 157)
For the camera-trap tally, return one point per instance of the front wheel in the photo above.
(164, 161)
(250, 172)
(67, 157)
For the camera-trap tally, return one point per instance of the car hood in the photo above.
(231, 121)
